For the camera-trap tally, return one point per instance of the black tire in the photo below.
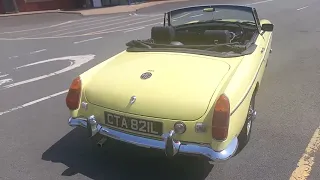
(245, 133)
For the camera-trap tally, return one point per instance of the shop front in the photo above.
(106, 3)
(14, 6)
(8, 6)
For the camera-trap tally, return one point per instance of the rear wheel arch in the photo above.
(256, 89)
(245, 132)
(253, 96)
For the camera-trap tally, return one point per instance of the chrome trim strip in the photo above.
(247, 8)
(170, 146)
(252, 83)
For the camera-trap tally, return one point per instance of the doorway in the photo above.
(10, 6)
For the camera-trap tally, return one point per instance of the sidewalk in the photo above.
(99, 11)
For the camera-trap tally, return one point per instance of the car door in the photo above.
(263, 49)
(267, 36)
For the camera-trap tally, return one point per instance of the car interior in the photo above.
(226, 38)
(202, 35)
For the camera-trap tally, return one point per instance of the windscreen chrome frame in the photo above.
(164, 19)
(252, 9)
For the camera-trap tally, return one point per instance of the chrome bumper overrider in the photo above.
(170, 146)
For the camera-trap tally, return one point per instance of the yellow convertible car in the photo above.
(189, 89)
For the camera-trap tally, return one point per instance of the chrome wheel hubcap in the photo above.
(251, 111)
(250, 117)
(248, 127)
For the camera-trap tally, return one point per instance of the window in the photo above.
(32, 1)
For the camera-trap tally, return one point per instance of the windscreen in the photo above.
(207, 13)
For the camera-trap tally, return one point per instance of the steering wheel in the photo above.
(234, 35)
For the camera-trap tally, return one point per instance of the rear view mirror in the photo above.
(267, 27)
(208, 10)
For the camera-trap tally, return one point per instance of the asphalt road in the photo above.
(37, 143)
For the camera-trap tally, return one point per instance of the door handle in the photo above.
(262, 50)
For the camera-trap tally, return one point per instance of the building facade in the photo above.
(14, 6)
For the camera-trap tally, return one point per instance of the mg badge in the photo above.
(146, 75)
(133, 99)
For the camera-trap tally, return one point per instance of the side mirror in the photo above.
(267, 27)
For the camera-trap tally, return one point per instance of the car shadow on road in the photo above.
(119, 161)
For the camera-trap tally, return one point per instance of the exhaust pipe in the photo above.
(101, 142)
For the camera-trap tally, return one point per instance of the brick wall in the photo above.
(46, 5)
(1, 7)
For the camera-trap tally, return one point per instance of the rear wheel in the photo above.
(245, 133)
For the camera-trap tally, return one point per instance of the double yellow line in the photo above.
(304, 166)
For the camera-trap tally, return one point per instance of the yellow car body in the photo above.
(180, 88)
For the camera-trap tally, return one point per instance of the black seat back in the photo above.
(162, 34)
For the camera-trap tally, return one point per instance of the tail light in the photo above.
(220, 118)
(73, 97)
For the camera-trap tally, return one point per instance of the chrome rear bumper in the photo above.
(170, 146)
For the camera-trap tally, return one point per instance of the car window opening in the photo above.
(220, 38)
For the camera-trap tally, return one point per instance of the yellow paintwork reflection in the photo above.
(191, 22)
(227, 20)
(208, 10)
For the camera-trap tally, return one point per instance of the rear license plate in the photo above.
(138, 125)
